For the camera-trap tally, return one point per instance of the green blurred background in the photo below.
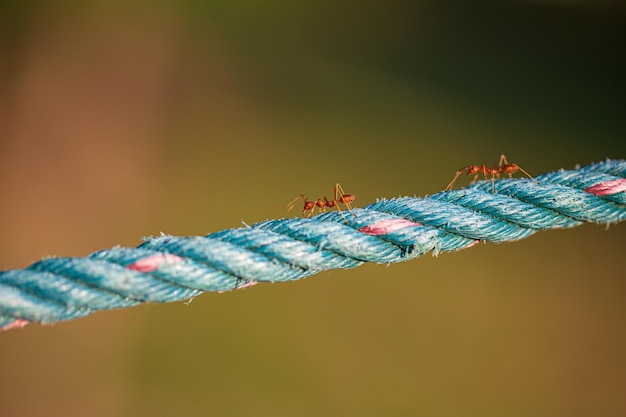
(122, 120)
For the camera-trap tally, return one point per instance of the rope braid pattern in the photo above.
(168, 268)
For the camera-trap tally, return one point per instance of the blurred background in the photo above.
(120, 120)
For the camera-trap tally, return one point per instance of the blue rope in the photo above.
(169, 268)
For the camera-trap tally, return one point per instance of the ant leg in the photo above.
(457, 175)
(512, 168)
(527, 174)
(484, 171)
(335, 203)
(344, 199)
(338, 189)
(503, 164)
(321, 205)
(503, 161)
(341, 213)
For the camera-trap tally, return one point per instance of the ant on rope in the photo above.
(340, 197)
(503, 168)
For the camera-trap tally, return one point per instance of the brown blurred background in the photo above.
(121, 120)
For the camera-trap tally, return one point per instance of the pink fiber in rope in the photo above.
(153, 262)
(471, 244)
(608, 187)
(17, 324)
(387, 226)
(246, 285)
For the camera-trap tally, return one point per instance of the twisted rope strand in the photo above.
(170, 268)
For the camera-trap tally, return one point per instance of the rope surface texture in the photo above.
(169, 268)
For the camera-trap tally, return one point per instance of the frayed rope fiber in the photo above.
(169, 268)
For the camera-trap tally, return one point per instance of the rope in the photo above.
(169, 268)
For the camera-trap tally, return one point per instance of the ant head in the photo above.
(474, 169)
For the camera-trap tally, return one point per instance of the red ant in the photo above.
(503, 168)
(340, 197)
